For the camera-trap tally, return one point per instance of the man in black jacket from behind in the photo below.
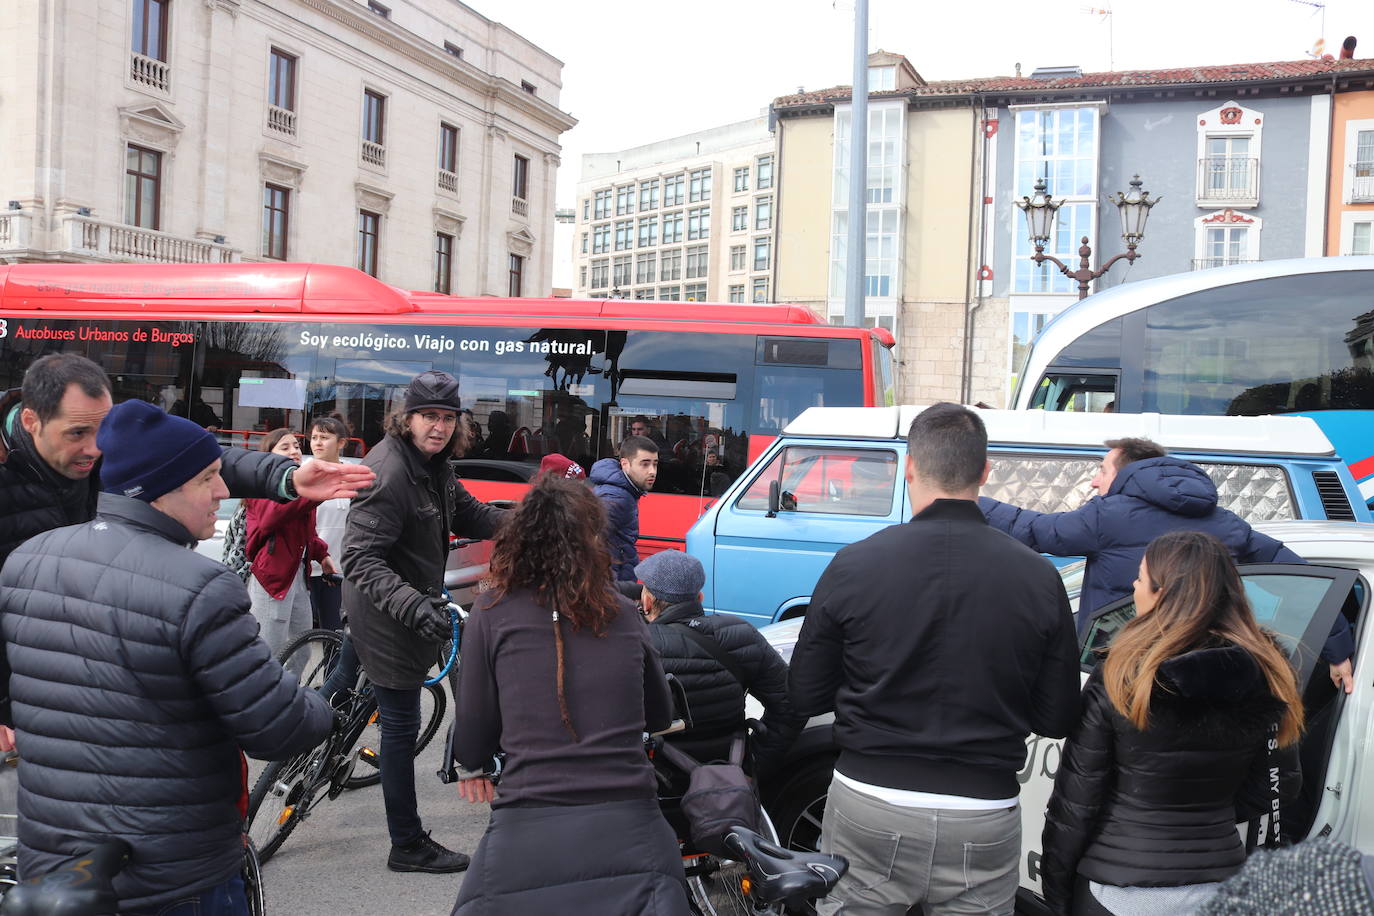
(940, 644)
(138, 678)
(691, 645)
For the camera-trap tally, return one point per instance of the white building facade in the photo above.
(414, 139)
(691, 219)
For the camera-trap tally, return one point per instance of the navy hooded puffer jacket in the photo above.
(621, 498)
(1148, 498)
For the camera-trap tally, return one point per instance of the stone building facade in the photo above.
(415, 139)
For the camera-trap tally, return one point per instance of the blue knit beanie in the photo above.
(149, 453)
(672, 576)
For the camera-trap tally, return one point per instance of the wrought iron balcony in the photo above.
(1204, 263)
(101, 241)
(150, 72)
(1227, 181)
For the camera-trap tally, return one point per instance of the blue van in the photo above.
(835, 476)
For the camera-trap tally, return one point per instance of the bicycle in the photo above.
(287, 791)
(763, 876)
(84, 884)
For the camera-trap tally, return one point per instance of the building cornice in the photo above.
(386, 33)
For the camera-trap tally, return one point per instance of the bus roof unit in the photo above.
(1267, 435)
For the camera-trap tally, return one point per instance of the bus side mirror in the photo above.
(774, 498)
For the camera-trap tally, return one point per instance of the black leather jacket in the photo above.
(394, 552)
(1158, 808)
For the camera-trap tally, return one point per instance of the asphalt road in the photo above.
(334, 863)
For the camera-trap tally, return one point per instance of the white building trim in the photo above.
(1318, 153)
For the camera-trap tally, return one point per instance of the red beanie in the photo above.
(561, 466)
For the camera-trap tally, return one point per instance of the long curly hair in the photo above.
(1201, 601)
(551, 544)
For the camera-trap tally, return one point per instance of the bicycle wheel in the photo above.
(721, 892)
(280, 799)
(367, 772)
(311, 656)
(252, 881)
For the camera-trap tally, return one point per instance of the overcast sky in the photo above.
(637, 71)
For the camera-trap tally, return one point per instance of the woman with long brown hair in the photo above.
(559, 675)
(1189, 726)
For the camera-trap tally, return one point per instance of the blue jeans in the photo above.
(345, 672)
(399, 724)
(227, 898)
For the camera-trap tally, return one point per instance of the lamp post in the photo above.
(1040, 210)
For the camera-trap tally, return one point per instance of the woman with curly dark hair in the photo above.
(558, 674)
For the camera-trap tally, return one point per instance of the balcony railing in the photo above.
(117, 242)
(1232, 181)
(448, 181)
(1362, 183)
(374, 154)
(1204, 263)
(519, 206)
(15, 228)
(150, 72)
(281, 120)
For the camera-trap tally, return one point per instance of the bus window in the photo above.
(255, 377)
(884, 388)
(1076, 392)
(1266, 346)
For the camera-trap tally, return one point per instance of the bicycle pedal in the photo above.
(285, 814)
(370, 756)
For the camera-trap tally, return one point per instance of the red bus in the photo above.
(246, 348)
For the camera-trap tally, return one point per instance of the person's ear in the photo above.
(28, 418)
(987, 470)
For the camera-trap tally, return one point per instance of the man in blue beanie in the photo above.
(128, 648)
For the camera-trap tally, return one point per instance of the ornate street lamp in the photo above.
(1134, 206)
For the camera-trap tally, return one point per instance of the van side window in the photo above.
(1255, 492)
(831, 481)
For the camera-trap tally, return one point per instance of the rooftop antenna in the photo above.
(1319, 46)
(1105, 14)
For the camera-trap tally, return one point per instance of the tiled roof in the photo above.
(1227, 73)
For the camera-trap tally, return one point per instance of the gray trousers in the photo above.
(279, 622)
(953, 863)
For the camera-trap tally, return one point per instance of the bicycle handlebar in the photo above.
(81, 886)
(457, 617)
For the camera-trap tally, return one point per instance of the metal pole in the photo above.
(858, 171)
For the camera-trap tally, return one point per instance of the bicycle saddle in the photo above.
(81, 886)
(783, 875)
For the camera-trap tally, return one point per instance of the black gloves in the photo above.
(431, 619)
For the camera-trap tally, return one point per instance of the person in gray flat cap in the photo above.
(717, 658)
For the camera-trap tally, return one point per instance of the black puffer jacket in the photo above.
(1158, 808)
(394, 552)
(34, 498)
(138, 676)
(715, 696)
